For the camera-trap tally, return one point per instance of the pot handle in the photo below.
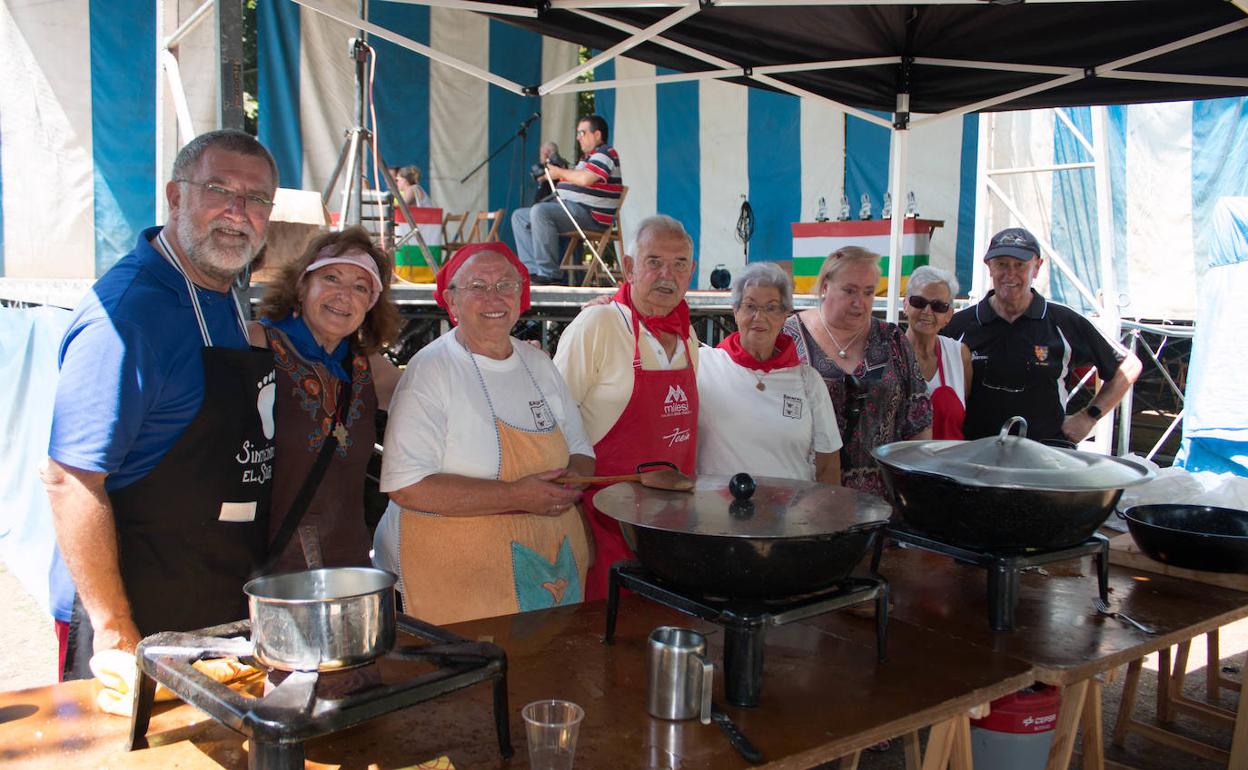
(1009, 425)
(708, 671)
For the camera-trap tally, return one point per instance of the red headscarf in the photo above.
(447, 272)
(675, 322)
(785, 354)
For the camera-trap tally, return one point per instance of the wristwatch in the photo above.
(1094, 411)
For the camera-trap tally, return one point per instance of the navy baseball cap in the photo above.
(1013, 242)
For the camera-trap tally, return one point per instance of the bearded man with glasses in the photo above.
(162, 431)
(1024, 347)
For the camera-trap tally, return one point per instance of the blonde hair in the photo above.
(842, 258)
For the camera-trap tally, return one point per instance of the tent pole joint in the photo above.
(747, 71)
(901, 121)
(531, 90)
(1089, 73)
(542, 6)
(704, 4)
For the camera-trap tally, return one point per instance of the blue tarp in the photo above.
(1215, 421)
(29, 339)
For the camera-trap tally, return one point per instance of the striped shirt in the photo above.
(602, 198)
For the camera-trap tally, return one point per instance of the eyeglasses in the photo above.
(217, 195)
(771, 309)
(918, 303)
(508, 287)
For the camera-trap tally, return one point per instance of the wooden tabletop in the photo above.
(1057, 630)
(823, 696)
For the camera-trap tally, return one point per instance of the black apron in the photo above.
(195, 528)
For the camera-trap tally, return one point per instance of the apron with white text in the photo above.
(660, 423)
(191, 532)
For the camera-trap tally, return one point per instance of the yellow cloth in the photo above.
(595, 357)
(458, 568)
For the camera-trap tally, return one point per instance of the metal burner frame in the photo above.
(745, 622)
(1003, 568)
(278, 724)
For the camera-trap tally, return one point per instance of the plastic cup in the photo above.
(552, 726)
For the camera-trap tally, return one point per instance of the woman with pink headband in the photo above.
(326, 319)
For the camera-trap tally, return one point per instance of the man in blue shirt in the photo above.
(161, 446)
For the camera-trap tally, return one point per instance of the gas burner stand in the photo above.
(278, 724)
(1003, 568)
(745, 622)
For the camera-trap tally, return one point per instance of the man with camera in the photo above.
(548, 156)
(591, 193)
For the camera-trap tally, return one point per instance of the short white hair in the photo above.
(927, 275)
(764, 275)
(653, 225)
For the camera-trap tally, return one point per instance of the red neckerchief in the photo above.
(675, 322)
(784, 357)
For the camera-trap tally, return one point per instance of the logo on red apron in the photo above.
(1042, 353)
(677, 436)
(676, 403)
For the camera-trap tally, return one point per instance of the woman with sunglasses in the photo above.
(944, 362)
(867, 364)
(759, 407)
(481, 427)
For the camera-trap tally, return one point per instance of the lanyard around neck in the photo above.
(167, 252)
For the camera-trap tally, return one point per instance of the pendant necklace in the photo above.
(340, 430)
(840, 349)
(759, 375)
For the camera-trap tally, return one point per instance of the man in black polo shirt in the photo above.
(1024, 346)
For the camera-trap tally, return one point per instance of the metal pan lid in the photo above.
(779, 508)
(1011, 461)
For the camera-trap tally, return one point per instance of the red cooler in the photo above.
(1018, 732)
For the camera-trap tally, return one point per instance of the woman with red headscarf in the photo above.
(481, 426)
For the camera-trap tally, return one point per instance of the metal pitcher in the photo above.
(680, 675)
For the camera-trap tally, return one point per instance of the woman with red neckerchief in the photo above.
(760, 408)
(629, 364)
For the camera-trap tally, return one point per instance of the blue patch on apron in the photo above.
(541, 584)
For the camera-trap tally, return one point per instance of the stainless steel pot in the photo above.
(321, 619)
(1004, 492)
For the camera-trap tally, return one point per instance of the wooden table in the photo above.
(1057, 630)
(824, 696)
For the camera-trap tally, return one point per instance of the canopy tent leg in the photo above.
(897, 162)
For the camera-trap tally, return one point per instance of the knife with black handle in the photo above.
(738, 739)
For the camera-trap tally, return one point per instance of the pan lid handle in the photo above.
(1009, 425)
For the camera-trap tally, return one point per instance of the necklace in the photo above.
(759, 376)
(840, 349)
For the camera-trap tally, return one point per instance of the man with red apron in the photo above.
(630, 366)
(162, 441)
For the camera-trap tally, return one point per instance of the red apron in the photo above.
(948, 412)
(660, 422)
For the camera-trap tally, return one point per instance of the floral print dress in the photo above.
(883, 400)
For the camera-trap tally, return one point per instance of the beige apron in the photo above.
(458, 568)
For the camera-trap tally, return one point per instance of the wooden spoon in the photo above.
(661, 478)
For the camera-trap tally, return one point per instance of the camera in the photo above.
(538, 170)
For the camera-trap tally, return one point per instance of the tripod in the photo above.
(357, 146)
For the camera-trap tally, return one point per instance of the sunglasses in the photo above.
(918, 303)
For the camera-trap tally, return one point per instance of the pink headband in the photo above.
(352, 256)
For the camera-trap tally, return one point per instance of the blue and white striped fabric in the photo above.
(79, 176)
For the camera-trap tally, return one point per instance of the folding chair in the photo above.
(453, 231)
(597, 271)
(489, 232)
